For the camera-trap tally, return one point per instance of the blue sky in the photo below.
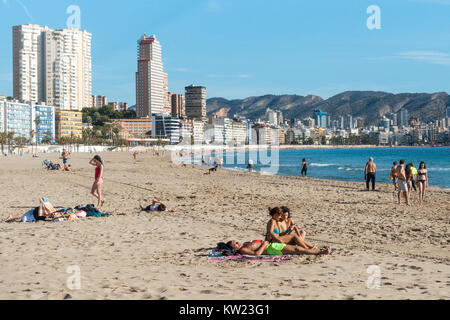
(242, 48)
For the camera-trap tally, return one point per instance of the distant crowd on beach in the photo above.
(404, 178)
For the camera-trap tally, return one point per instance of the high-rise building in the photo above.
(178, 106)
(447, 112)
(150, 93)
(321, 118)
(52, 66)
(196, 102)
(403, 119)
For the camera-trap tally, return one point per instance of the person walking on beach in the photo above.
(304, 167)
(422, 180)
(402, 183)
(369, 173)
(96, 190)
(393, 175)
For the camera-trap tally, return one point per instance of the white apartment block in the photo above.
(150, 95)
(239, 132)
(52, 66)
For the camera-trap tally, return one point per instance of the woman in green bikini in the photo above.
(273, 249)
(277, 232)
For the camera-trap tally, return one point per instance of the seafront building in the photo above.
(17, 118)
(196, 103)
(23, 118)
(164, 126)
(53, 66)
(68, 124)
(135, 128)
(43, 122)
(150, 86)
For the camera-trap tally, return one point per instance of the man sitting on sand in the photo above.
(273, 249)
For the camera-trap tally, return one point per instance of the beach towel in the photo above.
(216, 256)
(91, 211)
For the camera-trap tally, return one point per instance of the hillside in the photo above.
(369, 105)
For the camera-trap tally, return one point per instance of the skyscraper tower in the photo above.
(52, 66)
(150, 94)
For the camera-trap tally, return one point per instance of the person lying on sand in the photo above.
(273, 249)
(155, 206)
(30, 216)
(278, 232)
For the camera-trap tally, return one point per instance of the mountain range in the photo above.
(369, 105)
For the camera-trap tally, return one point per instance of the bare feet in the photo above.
(326, 250)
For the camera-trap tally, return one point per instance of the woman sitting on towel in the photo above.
(273, 249)
(278, 232)
(155, 206)
(289, 223)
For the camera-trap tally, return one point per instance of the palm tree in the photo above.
(32, 134)
(10, 137)
(3, 139)
(37, 121)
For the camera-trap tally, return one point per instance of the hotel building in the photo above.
(135, 128)
(53, 66)
(68, 124)
(150, 95)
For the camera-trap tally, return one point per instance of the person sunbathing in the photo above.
(155, 206)
(30, 216)
(273, 249)
(277, 231)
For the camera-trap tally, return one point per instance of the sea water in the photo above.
(344, 164)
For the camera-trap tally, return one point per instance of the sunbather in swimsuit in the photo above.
(273, 249)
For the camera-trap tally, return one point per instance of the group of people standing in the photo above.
(405, 178)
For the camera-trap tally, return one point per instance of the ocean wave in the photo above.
(322, 164)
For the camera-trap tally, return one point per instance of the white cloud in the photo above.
(25, 9)
(427, 57)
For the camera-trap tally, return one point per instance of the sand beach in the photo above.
(137, 255)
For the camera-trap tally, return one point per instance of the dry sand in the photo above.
(135, 255)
